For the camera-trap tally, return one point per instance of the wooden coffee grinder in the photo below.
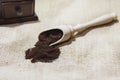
(16, 11)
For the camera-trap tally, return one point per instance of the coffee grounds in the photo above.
(42, 51)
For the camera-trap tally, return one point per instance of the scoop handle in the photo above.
(98, 21)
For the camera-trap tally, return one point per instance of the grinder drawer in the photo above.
(0, 10)
(17, 9)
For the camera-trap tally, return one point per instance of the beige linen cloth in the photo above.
(92, 55)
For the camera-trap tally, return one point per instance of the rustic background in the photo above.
(92, 55)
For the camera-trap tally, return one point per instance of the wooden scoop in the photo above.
(68, 30)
